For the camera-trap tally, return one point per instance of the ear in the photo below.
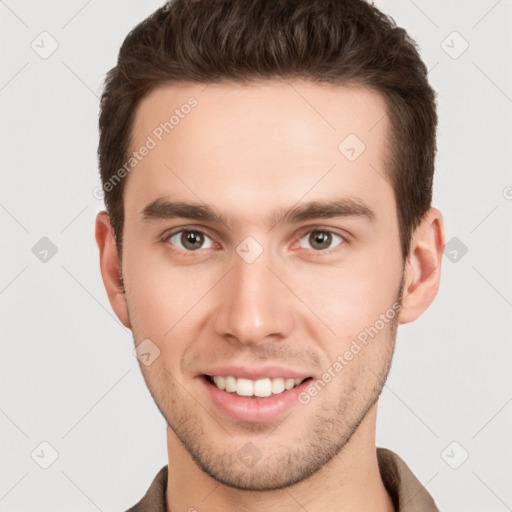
(110, 267)
(423, 266)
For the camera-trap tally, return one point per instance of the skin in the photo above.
(249, 151)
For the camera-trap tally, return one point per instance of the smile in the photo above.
(260, 388)
(258, 400)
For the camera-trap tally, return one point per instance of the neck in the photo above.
(350, 481)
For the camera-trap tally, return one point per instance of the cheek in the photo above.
(350, 297)
(164, 301)
(360, 303)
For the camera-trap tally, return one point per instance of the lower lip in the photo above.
(255, 410)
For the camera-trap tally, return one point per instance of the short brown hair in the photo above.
(323, 41)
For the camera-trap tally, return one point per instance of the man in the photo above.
(267, 168)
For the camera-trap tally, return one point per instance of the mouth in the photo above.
(265, 399)
(260, 388)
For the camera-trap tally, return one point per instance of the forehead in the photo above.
(302, 109)
(259, 142)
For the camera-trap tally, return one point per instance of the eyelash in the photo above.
(185, 252)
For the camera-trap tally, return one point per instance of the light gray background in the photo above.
(68, 373)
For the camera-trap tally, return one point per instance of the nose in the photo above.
(254, 306)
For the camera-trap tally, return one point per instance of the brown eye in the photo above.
(320, 240)
(191, 240)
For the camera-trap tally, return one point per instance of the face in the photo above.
(260, 245)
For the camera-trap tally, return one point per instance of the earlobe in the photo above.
(110, 267)
(423, 266)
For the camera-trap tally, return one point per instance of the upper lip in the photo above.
(261, 372)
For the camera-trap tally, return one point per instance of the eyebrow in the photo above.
(165, 209)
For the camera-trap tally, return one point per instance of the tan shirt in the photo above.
(406, 491)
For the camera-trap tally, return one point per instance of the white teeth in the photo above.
(260, 388)
(244, 387)
(277, 385)
(263, 387)
(230, 383)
